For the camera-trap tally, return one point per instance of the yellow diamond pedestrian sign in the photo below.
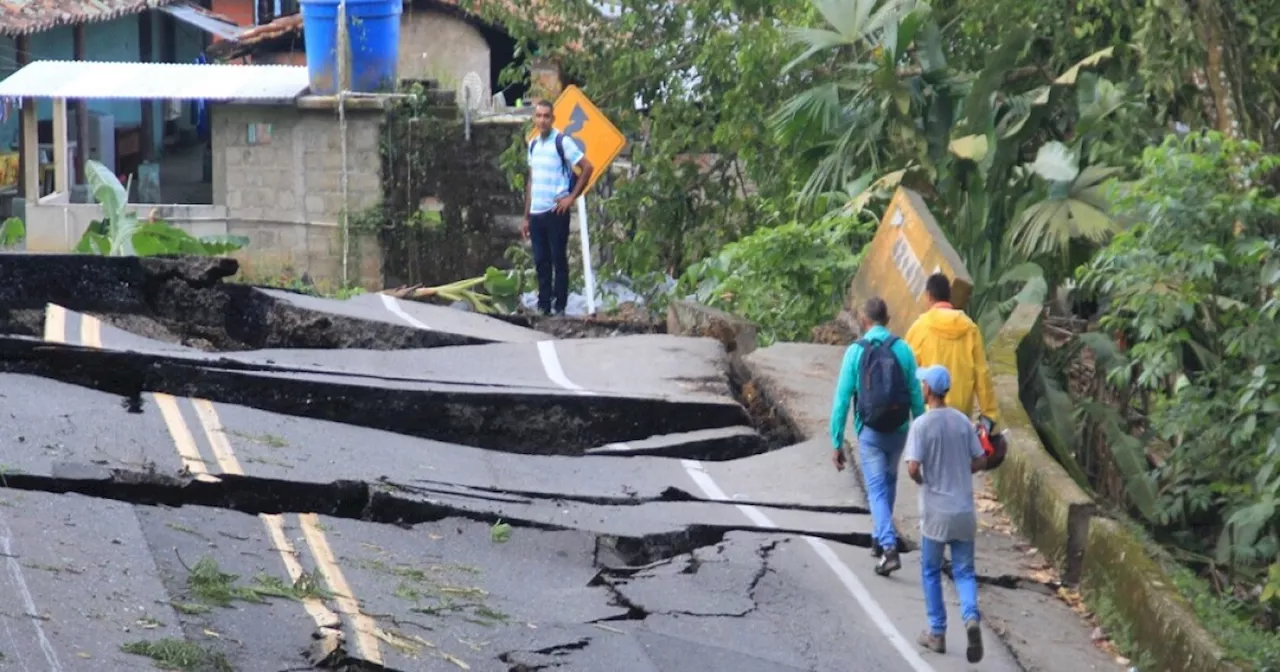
(578, 118)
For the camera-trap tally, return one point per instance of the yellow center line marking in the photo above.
(90, 331)
(215, 432)
(55, 323)
(91, 336)
(188, 450)
(321, 614)
(217, 435)
(364, 626)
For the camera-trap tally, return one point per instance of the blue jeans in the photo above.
(962, 573)
(549, 235)
(879, 454)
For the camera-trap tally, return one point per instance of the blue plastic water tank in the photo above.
(373, 29)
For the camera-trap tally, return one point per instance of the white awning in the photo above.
(156, 81)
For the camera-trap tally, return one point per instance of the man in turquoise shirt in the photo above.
(879, 452)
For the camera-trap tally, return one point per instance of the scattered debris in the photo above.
(179, 654)
(212, 586)
(500, 533)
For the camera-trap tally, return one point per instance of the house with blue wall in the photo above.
(161, 31)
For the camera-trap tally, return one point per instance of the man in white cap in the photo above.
(942, 454)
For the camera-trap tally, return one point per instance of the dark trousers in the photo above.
(549, 234)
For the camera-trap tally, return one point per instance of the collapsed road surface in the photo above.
(208, 476)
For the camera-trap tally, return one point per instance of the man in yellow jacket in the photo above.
(947, 336)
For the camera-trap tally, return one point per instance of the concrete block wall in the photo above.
(285, 193)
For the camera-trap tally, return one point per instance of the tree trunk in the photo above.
(1220, 81)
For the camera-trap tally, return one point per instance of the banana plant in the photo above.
(121, 233)
(501, 292)
(12, 232)
(1075, 208)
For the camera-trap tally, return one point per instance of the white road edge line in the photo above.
(551, 364)
(28, 602)
(390, 303)
(700, 477)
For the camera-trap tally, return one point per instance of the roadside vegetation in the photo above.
(1114, 161)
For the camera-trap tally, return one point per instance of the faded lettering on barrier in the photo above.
(907, 248)
(905, 259)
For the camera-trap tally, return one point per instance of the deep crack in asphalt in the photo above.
(186, 299)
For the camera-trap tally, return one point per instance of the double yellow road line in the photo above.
(327, 622)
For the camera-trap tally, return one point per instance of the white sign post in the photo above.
(600, 141)
(587, 273)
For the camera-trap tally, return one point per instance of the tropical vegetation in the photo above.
(1115, 159)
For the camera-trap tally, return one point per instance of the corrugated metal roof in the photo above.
(174, 81)
(214, 24)
(23, 17)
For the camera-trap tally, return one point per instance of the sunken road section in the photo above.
(194, 488)
(184, 300)
(212, 590)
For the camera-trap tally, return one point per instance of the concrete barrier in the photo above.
(1051, 509)
(908, 247)
(688, 318)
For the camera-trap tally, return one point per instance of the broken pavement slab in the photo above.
(808, 612)
(516, 420)
(437, 595)
(78, 583)
(441, 318)
(186, 301)
(181, 450)
(738, 336)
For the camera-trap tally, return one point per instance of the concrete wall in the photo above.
(285, 194)
(432, 165)
(55, 225)
(1097, 551)
(440, 46)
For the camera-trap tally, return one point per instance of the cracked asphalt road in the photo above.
(343, 545)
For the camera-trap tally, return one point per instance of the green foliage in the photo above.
(704, 166)
(1191, 285)
(894, 106)
(500, 291)
(787, 278)
(12, 232)
(121, 233)
(209, 585)
(1167, 46)
(179, 654)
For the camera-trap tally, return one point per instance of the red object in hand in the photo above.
(994, 445)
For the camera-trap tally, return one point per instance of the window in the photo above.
(266, 11)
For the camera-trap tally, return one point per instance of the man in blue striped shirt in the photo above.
(549, 193)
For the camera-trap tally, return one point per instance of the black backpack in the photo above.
(883, 401)
(573, 176)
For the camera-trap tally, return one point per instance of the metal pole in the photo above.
(466, 111)
(346, 219)
(343, 70)
(586, 255)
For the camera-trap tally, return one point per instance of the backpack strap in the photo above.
(564, 163)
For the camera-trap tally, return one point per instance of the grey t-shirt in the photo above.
(944, 442)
